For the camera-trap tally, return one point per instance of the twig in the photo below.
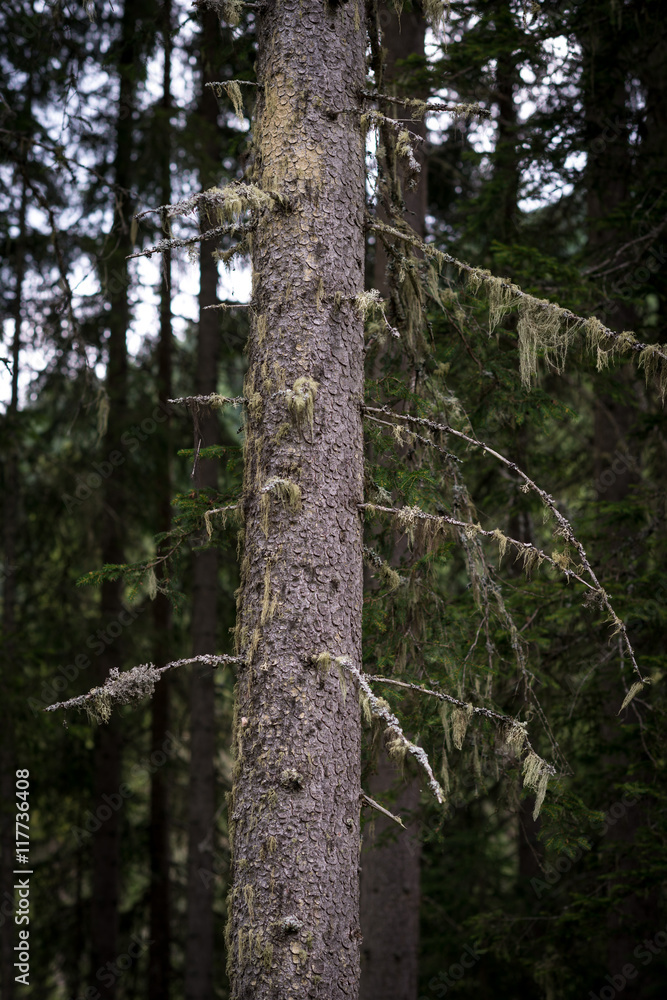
(376, 805)
(124, 687)
(213, 400)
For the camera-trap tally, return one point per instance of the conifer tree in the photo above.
(296, 797)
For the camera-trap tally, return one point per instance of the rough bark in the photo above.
(201, 786)
(108, 747)
(159, 960)
(294, 808)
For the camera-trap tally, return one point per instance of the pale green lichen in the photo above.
(536, 777)
(301, 400)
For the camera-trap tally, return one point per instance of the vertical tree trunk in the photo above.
(390, 868)
(108, 748)
(294, 807)
(159, 960)
(201, 787)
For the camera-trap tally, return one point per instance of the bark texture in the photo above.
(294, 807)
(201, 786)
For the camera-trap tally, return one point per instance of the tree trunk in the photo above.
(201, 788)
(108, 749)
(390, 893)
(294, 808)
(159, 960)
(390, 870)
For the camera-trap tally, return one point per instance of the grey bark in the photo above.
(201, 786)
(293, 929)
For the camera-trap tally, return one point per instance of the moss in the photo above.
(249, 897)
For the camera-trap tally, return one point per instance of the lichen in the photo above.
(301, 400)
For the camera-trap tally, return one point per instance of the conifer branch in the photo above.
(422, 108)
(531, 554)
(131, 685)
(400, 745)
(540, 320)
(213, 400)
(564, 527)
(536, 770)
(171, 244)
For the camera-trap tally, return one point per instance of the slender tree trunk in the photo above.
(159, 959)
(390, 893)
(108, 746)
(8, 643)
(294, 807)
(201, 789)
(391, 859)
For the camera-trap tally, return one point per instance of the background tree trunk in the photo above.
(108, 748)
(390, 868)
(294, 807)
(201, 787)
(159, 958)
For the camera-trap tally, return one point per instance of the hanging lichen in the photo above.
(460, 719)
(536, 777)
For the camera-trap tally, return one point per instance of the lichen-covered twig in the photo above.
(536, 770)
(213, 400)
(531, 554)
(385, 812)
(378, 709)
(139, 682)
(420, 108)
(564, 527)
(229, 304)
(172, 244)
(541, 323)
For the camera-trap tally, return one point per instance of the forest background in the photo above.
(551, 172)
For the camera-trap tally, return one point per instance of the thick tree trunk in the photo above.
(108, 747)
(201, 788)
(159, 959)
(294, 809)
